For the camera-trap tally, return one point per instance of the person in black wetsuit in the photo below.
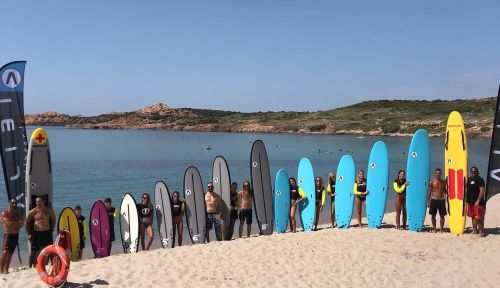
(235, 204)
(294, 196)
(331, 190)
(145, 210)
(360, 192)
(112, 214)
(320, 199)
(82, 226)
(178, 208)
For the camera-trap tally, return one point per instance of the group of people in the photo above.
(436, 199)
(240, 208)
(40, 220)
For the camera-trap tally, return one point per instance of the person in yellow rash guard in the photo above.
(330, 189)
(178, 209)
(399, 186)
(295, 195)
(320, 199)
(360, 192)
(82, 226)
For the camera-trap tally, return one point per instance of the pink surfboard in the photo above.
(100, 236)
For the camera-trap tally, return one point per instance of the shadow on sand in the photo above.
(90, 284)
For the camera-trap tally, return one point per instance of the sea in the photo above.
(94, 164)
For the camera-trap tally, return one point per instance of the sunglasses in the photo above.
(13, 203)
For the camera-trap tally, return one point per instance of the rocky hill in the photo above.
(382, 117)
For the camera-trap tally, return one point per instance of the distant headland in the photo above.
(381, 117)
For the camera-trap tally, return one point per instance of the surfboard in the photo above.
(281, 200)
(164, 218)
(344, 198)
(38, 171)
(195, 205)
(377, 184)
(68, 222)
(262, 188)
(455, 157)
(307, 207)
(222, 186)
(129, 224)
(417, 174)
(99, 230)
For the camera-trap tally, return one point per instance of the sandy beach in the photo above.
(327, 258)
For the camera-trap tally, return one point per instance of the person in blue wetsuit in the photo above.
(320, 199)
(360, 192)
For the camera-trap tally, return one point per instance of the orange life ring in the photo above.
(60, 263)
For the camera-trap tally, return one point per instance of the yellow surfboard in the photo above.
(67, 221)
(455, 159)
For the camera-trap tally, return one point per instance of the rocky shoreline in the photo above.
(162, 117)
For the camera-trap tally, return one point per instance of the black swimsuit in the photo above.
(294, 193)
(361, 188)
(332, 187)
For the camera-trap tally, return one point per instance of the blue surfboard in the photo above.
(307, 207)
(417, 174)
(377, 184)
(281, 200)
(344, 199)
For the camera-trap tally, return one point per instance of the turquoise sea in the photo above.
(94, 164)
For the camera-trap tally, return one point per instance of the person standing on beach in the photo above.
(246, 195)
(320, 199)
(294, 195)
(476, 201)
(82, 226)
(399, 186)
(331, 190)
(40, 223)
(436, 199)
(112, 214)
(178, 208)
(360, 192)
(235, 206)
(145, 209)
(12, 223)
(213, 204)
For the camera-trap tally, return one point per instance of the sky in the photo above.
(92, 57)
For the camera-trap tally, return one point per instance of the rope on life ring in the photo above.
(61, 262)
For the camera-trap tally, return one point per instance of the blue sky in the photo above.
(92, 57)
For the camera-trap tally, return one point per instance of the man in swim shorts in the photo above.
(40, 223)
(12, 223)
(436, 199)
(246, 195)
(476, 201)
(213, 204)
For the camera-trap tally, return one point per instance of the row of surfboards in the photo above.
(271, 204)
(417, 172)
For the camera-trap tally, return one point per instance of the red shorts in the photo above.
(474, 211)
(177, 220)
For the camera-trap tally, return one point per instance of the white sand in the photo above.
(326, 258)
